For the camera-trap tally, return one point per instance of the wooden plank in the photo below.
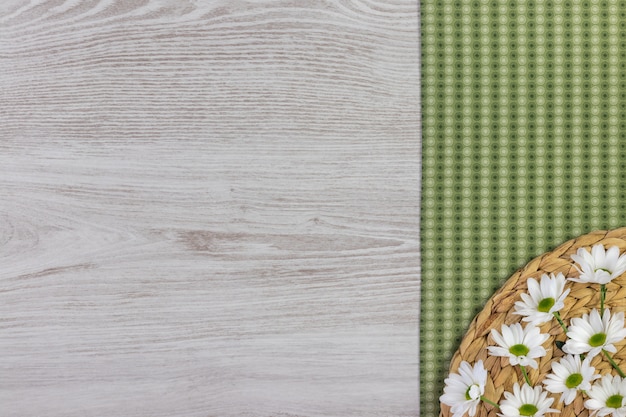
(209, 208)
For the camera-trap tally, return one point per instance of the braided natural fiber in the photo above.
(499, 309)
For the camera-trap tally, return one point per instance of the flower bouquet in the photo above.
(551, 341)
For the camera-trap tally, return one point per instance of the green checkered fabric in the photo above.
(524, 147)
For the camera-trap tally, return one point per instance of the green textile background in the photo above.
(524, 147)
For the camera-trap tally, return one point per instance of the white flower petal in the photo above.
(595, 321)
(599, 254)
(474, 392)
(533, 289)
(611, 255)
(620, 266)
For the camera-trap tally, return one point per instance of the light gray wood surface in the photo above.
(209, 208)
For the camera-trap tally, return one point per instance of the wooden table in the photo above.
(209, 208)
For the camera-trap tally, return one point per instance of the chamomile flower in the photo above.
(591, 334)
(543, 299)
(526, 401)
(520, 345)
(608, 397)
(463, 391)
(599, 266)
(569, 376)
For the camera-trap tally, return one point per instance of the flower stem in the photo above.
(558, 318)
(488, 401)
(613, 364)
(526, 375)
(602, 297)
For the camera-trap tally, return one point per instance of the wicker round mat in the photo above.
(499, 310)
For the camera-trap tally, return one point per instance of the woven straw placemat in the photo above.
(499, 310)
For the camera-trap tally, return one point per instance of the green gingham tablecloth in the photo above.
(524, 147)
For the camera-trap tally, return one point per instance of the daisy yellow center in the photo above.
(528, 410)
(519, 350)
(597, 339)
(614, 401)
(545, 305)
(573, 380)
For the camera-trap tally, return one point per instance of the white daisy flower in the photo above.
(599, 266)
(526, 401)
(542, 300)
(521, 346)
(608, 397)
(569, 376)
(591, 334)
(464, 390)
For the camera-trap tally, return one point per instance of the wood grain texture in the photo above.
(209, 208)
